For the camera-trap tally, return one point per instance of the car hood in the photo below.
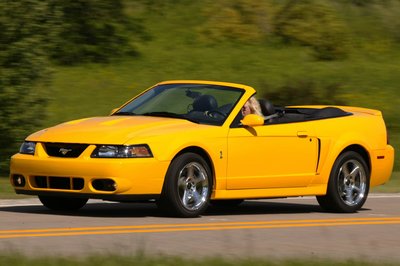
(110, 130)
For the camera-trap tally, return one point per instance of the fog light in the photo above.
(18, 180)
(104, 185)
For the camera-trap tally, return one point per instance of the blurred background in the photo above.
(68, 59)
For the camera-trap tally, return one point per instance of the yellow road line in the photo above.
(201, 224)
(196, 225)
(158, 228)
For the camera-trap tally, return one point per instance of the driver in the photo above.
(252, 106)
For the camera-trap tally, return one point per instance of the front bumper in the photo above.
(44, 175)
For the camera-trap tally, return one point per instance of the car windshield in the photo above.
(199, 103)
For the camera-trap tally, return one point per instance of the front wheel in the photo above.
(348, 184)
(62, 203)
(187, 187)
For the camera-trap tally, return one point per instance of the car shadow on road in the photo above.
(104, 210)
(263, 207)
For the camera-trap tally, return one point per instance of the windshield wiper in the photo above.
(170, 115)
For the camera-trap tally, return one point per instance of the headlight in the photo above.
(28, 147)
(119, 151)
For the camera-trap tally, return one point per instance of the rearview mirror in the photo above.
(252, 120)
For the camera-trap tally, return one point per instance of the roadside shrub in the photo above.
(25, 27)
(240, 20)
(304, 93)
(315, 24)
(93, 31)
(389, 13)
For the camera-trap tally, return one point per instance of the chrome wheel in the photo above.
(348, 184)
(187, 187)
(193, 186)
(352, 182)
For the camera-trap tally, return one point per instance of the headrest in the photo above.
(205, 103)
(267, 108)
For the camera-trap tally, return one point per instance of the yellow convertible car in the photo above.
(186, 144)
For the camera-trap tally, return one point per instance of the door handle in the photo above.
(302, 134)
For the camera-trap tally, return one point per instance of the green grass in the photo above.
(7, 191)
(393, 186)
(112, 260)
(5, 187)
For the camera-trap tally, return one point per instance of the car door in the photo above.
(271, 156)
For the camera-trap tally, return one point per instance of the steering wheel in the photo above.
(215, 114)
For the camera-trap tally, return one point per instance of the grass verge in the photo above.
(112, 260)
(7, 191)
(393, 186)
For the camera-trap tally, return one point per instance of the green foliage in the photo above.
(388, 12)
(315, 24)
(93, 31)
(361, 2)
(163, 260)
(310, 22)
(25, 26)
(305, 93)
(242, 20)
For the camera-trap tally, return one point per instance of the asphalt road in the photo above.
(280, 228)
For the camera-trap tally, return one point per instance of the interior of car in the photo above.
(276, 115)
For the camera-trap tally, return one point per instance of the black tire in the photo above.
(62, 204)
(348, 184)
(187, 186)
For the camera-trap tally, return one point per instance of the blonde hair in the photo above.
(255, 107)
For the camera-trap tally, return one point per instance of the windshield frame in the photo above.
(192, 91)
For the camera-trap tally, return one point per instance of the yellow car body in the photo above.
(246, 161)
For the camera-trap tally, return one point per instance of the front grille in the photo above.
(56, 182)
(65, 150)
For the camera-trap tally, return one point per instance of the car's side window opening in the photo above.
(290, 115)
(281, 115)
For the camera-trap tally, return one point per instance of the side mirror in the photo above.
(252, 120)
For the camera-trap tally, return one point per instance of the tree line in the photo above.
(36, 34)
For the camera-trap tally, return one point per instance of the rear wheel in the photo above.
(348, 185)
(62, 204)
(187, 186)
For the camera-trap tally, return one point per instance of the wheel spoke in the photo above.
(349, 195)
(355, 172)
(182, 182)
(199, 179)
(196, 197)
(345, 170)
(356, 189)
(190, 171)
(186, 198)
